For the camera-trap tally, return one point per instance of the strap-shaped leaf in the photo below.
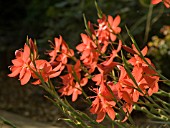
(86, 25)
(99, 11)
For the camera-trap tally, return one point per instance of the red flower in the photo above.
(101, 78)
(44, 69)
(166, 2)
(156, 1)
(152, 79)
(107, 30)
(73, 82)
(137, 60)
(21, 65)
(113, 26)
(89, 54)
(102, 33)
(59, 55)
(113, 54)
(56, 48)
(146, 79)
(60, 51)
(103, 103)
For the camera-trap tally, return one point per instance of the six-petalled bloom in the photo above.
(21, 65)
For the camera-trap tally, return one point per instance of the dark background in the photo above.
(44, 20)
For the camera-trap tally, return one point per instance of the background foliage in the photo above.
(44, 20)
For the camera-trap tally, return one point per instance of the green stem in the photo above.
(158, 15)
(148, 23)
(7, 122)
(77, 115)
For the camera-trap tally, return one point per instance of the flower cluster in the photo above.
(27, 65)
(100, 62)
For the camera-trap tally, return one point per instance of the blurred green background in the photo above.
(44, 20)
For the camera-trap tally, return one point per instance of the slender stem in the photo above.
(158, 15)
(148, 23)
(7, 122)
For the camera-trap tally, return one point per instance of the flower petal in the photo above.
(116, 20)
(100, 116)
(26, 53)
(110, 112)
(75, 95)
(26, 77)
(15, 71)
(156, 1)
(144, 50)
(17, 62)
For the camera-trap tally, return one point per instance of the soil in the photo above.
(27, 101)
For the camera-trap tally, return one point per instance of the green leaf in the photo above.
(163, 93)
(86, 25)
(100, 13)
(166, 82)
(7, 122)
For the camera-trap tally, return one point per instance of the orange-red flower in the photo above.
(89, 54)
(101, 78)
(21, 65)
(127, 108)
(137, 60)
(113, 54)
(102, 33)
(113, 26)
(59, 55)
(151, 77)
(146, 80)
(56, 48)
(60, 48)
(107, 30)
(146, 77)
(156, 1)
(44, 69)
(166, 2)
(73, 82)
(103, 103)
